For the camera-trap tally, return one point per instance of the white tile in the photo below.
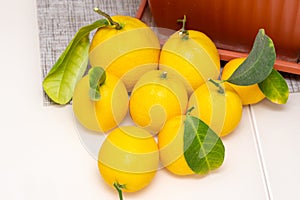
(279, 136)
(240, 177)
(42, 156)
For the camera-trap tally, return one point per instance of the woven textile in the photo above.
(293, 82)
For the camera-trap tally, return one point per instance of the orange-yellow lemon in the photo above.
(106, 113)
(249, 94)
(128, 157)
(127, 52)
(218, 105)
(156, 97)
(170, 144)
(194, 59)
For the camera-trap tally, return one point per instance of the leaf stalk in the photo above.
(119, 188)
(218, 85)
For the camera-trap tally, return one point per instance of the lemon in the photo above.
(170, 144)
(129, 158)
(108, 112)
(249, 94)
(194, 58)
(217, 105)
(127, 52)
(156, 97)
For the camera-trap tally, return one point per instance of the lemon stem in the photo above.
(112, 22)
(188, 112)
(183, 32)
(164, 75)
(220, 88)
(119, 188)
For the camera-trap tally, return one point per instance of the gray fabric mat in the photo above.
(59, 20)
(293, 82)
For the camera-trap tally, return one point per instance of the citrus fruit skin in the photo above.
(155, 99)
(108, 112)
(128, 156)
(193, 60)
(222, 112)
(127, 53)
(170, 144)
(249, 94)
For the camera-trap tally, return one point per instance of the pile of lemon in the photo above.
(157, 85)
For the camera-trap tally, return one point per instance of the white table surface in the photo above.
(43, 157)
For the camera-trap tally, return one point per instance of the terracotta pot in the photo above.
(233, 24)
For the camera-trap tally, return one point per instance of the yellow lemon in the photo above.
(156, 97)
(128, 158)
(128, 51)
(108, 112)
(249, 94)
(217, 105)
(170, 144)
(193, 58)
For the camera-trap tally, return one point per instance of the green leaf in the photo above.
(59, 84)
(203, 148)
(97, 77)
(259, 63)
(275, 88)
